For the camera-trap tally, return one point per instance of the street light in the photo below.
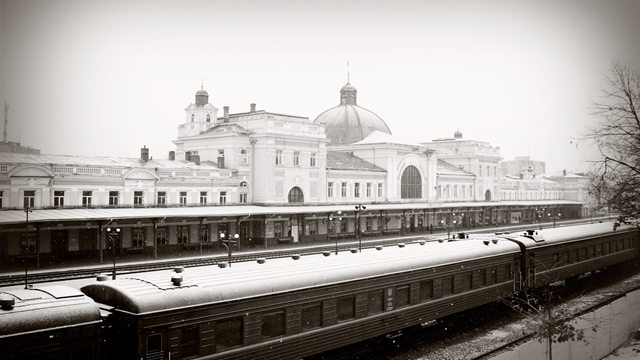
(331, 223)
(359, 208)
(229, 244)
(27, 242)
(113, 233)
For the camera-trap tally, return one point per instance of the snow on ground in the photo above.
(628, 351)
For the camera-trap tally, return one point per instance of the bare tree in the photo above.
(615, 179)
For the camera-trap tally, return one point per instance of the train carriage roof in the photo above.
(154, 291)
(552, 236)
(44, 308)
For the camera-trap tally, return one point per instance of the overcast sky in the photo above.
(107, 77)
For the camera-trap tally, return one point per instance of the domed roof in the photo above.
(348, 122)
(457, 134)
(202, 92)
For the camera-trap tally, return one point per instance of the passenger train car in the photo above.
(291, 308)
(53, 322)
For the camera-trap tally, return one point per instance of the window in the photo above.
(278, 229)
(162, 197)
(208, 118)
(455, 191)
(273, 324)
(483, 277)
(343, 189)
(375, 304)
(183, 234)
(223, 197)
(58, 198)
(447, 286)
(278, 157)
(204, 233)
(154, 344)
(401, 296)
(161, 236)
(356, 190)
(330, 189)
(464, 191)
(193, 117)
(346, 308)
(221, 158)
(113, 198)
(311, 317)
(137, 238)
(368, 193)
(189, 341)
(203, 197)
(243, 198)
(1, 194)
(229, 333)
(137, 198)
(411, 183)
(295, 195)
(86, 198)
(244, 157)
(343, 226)
(312, 160)
(369, 223)
(296, 158)
(183, 198)
(29, 198)
(426, 290)
(379, 190)
(313, 226)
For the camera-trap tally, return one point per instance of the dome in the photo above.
(202, 97)
(348, 122)
(457, 134)
(202, 92)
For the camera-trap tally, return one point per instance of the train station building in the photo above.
(264, 179)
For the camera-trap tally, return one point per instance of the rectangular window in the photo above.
(243, 198)
(369, 223)
(312, 160)
(189, 336)
(447, 286)
(154, 344)
(273, 324)
(311, 317)
(162, 197)
(221, 159)
(313, 227)
(494, 275)
(58, 198)
(183, 198)
(375, 304)
(223, 197)
(29, 198)
(455, 191)
(204, 233)
(86, 198)
(161, 236)
(1, 195)
(343, 189)
(346, 308)
(137, 198)
(356, 190)
(278, 229)
(137, 238)
(183, 234)
(483, 277)
(343, 226)
(113, 198)
(203, 197)
(330, 189)
(379, 190)
(401, 296)
(229, 333)
(368, 194)
(426, 290)
(296, 158)
(278, 157)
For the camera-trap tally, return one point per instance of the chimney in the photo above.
(187, 155)
(564, 172)
(172, 155)
(253, 107)
(195, 158)
(144, 154)
(226, 114)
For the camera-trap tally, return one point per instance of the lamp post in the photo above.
(113, 234)
(359, 208)
(229, 244)
(331, 223)
(27, 242)
(554, 218)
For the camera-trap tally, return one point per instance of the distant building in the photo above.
(521, 165)
(15, 147)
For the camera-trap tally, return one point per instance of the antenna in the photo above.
(6, 119)
(201, 83)
(348, 80)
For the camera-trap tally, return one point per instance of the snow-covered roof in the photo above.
(339, 160)
(379, 137)
(445, 168)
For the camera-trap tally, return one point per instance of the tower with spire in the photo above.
(199, 116)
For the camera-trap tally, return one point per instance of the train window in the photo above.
(273, 324)
(507, 271)
(189, 341)
(574, 255)
(494, 275)
(154, 344)
(311, 316)
(447, 286)
(346, 308)
(605, 249)
(583, 254)
(554, 259)
(591, 252)
(375, 303)
(483, 277)
(467, 281)
(599, 250)
(426, 290)
(401, 296)
(228, 333)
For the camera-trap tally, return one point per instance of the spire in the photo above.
(6, 119)
(202, 83)
(348, 80)
(348, 93)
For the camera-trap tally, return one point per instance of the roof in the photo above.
(379, 137)
(106, 161)
(566, 233)
(445, 168)
(337, 160)
(347, 123)
(154, 291)
(46, 307)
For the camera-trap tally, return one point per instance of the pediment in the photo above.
(31, 170)
(140, 174)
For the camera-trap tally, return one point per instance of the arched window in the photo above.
(487, 195)
(411, 183)
(295, 195)
(193, 117)
(208, 118)
(245, 158)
